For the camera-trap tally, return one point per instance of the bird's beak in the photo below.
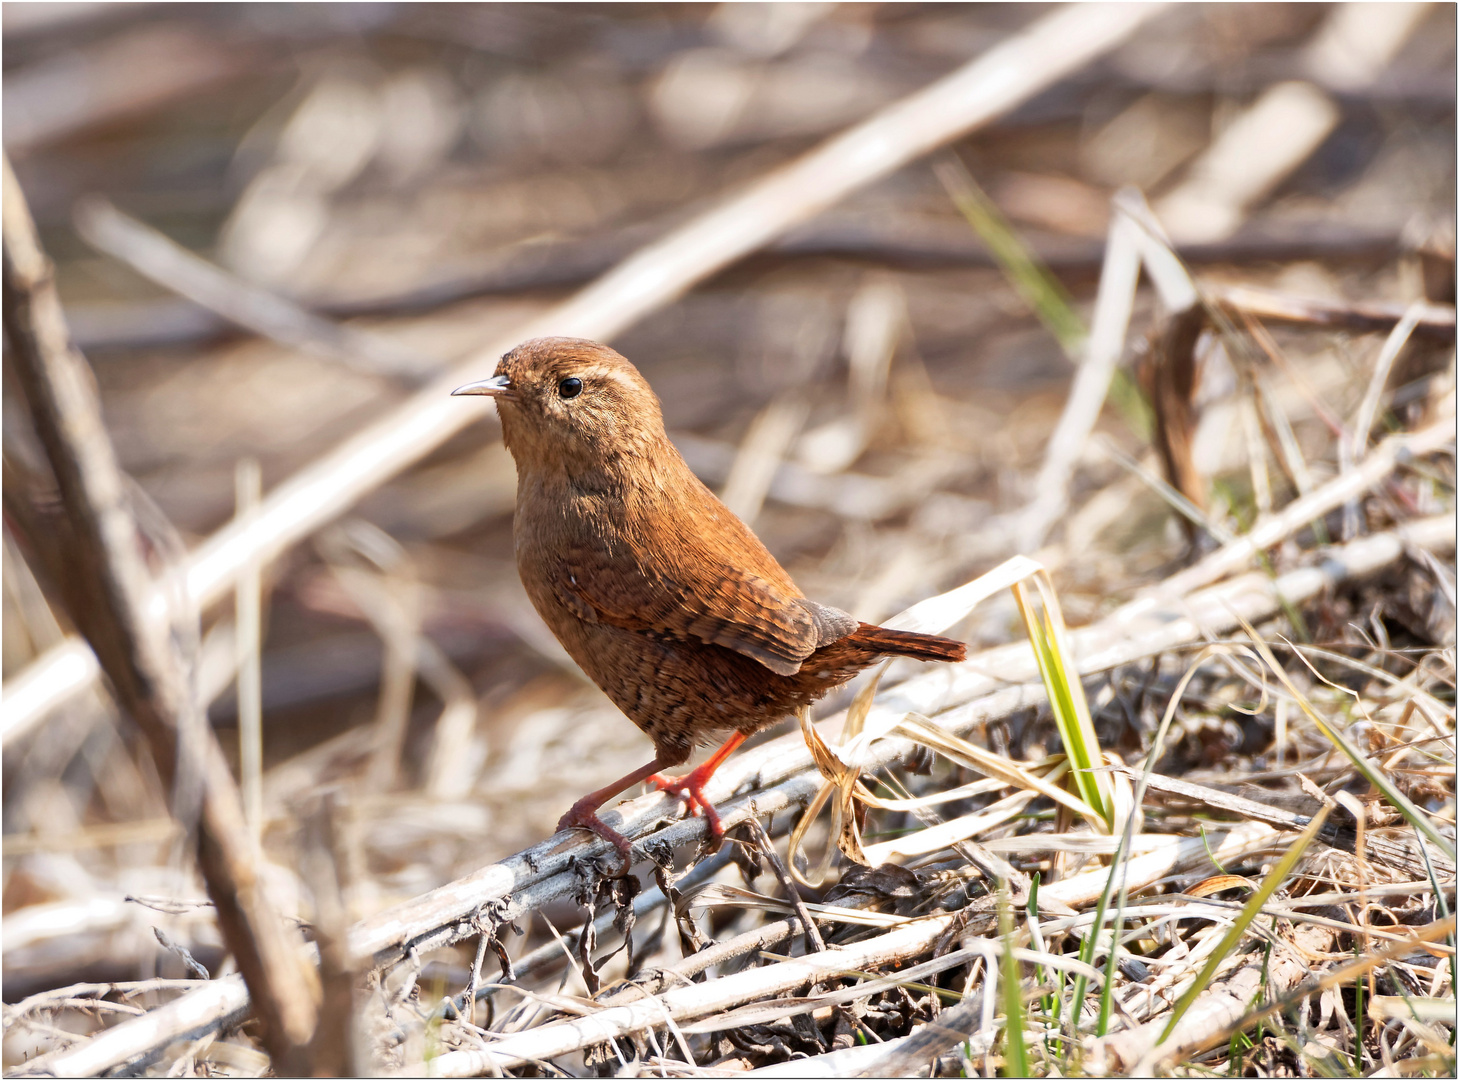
(496, 386)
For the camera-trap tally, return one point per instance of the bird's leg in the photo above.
(583, 814)
(690, 788)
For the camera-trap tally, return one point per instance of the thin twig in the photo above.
(248, 651)
(181, 952)
(1435, 322)
(812, 933)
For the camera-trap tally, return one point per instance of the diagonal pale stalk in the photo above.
(1248, 913)
(841, 766)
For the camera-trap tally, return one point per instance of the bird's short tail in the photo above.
(916, 646)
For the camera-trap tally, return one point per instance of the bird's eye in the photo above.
(569, 388)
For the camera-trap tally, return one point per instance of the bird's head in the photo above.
(573, 402)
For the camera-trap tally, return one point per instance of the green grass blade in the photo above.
(1442, 909)
(1132, 405)
(1032, 280)
(1067, 701)
(1247, 915)
(1086, 953)
(1015, 1051)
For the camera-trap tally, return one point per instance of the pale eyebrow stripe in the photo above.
(616, 375)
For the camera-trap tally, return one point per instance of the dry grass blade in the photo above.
(1376, 776)
(1367, 410)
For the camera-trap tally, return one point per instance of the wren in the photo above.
(664, 598)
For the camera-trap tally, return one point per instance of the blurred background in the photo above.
(868, 392)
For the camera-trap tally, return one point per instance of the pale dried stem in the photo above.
(214, 1005)
(1435, 321)
(1101, 354)
(1386, 357)
(248, 651)
(173, 267)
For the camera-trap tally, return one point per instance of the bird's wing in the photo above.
(704, 598)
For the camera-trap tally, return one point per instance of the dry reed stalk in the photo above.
(1258, 149)
(173, 267)
(248, 651)
(218, 1004)
(1101, 354)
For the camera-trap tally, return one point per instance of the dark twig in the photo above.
(1170, 378)
(134, 646)
(334, 1049)
(813, 941)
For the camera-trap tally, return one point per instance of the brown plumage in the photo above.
(664, 598)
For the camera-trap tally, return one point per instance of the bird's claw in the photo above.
(690, 789)
(583, 815)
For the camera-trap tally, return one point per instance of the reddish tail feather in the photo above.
(916, 646)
